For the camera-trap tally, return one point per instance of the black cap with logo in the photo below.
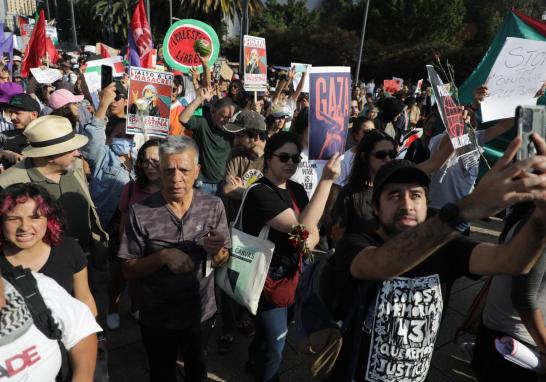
(398, 171)
(24, 102)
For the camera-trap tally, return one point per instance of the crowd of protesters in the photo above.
(81, 195)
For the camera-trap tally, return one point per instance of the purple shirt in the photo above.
(169, 300)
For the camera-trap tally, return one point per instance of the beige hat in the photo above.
(51, 135)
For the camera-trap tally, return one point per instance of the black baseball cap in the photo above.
(24, 102)
(246, 119)
(398, 171)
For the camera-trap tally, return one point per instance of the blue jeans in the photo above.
(265, 351)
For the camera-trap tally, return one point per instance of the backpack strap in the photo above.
(24, 282)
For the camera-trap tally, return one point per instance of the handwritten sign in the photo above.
(179, 42)
(149, 102)
(255, 63)
(46, 75)
(518, 72)
(329, 102)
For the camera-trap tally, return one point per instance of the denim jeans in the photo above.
(265, 351)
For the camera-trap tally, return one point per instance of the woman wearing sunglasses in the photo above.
(353, 210)
(146, 183)
(281, 204)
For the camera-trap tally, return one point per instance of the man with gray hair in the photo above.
(171, 241)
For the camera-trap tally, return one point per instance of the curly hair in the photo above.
(20, 193)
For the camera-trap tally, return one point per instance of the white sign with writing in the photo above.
(516, 76)
(46, 75)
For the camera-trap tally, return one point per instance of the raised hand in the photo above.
(333, 168)
(508, 183)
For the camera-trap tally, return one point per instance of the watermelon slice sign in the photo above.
(179, 42)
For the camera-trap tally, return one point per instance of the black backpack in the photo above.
(23, 281)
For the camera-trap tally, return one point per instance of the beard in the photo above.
(393, 228)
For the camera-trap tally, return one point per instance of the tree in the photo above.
(277, 16)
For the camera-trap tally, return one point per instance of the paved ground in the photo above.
(127, 358)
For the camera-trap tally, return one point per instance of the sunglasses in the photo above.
(382, 154)
(118, 97)
(285, 157)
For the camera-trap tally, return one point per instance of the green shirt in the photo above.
(214, 148)
(71, 197)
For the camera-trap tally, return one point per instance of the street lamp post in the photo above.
(244, 30)
(170, 12)
(74, 35)
(362, 40)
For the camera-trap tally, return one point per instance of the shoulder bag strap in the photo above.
(238, 222)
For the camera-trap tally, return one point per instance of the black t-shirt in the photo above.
(64, 261)
(407, 312)
(263, 203)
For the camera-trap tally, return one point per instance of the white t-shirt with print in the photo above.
(26, 354)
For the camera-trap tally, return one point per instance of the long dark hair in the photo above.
(360, 172)
(141, 179)
(65, 111)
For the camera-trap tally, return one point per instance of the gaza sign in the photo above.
(185, 40)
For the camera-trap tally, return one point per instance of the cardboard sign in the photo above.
(46, 75)
(391, 86)
(149, 102)
(516, 76)
(400, 82)
(329, 109)
(178, 44)
(462, 139)
(255, 63)
(226, 73)
(299, 70)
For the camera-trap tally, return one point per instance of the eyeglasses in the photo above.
(150, 163)
(118, 97)
(382, 154)
(285, 157)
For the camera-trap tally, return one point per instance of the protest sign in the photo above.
(518, 72)
(180, 42)
(299, 70)
(226, 73)
(399, 81)
(255, 63)
(462, 138)
(391, 86)
(92, 78)
(149, 102)
(329, 104)
(46, 75)
(115, 62)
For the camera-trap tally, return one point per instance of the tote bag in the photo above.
(243, 277)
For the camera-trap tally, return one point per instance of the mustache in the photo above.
(404, 214)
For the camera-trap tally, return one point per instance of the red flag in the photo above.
(36, 48)
(141, 34)
(52, 53)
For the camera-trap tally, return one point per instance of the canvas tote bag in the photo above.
(243, 277)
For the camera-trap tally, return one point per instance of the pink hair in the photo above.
(54, 225)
